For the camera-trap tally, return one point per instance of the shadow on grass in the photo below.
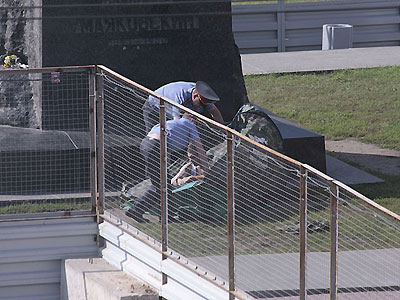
(386, 193)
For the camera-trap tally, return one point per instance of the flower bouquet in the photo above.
(12, 62)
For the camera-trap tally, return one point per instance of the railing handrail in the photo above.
(354, 192)
(48, 69)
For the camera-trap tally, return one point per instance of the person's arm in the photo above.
(201, 154)
(216, 114)
(174, 181)
(180, 181)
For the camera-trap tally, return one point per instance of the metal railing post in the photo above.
(334, 191)
(100, 141)
(163, 184)
(92, 132)
(303, 233)
(230, 215)
(281, 26)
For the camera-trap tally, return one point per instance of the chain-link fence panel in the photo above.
(196, 184)
(267, 193)
(198, 203)
(318, 235)
(45, 148)
(126, 185)
(292, 231)
(369, 249)
(196, 172)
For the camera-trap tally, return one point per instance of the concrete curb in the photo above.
(320, 60)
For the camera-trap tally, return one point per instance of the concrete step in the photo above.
(95, 279)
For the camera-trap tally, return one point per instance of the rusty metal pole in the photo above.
(163, 184)
(334, 193)
(92, 132)
(100, 142)
(303, 233)
(230, 215)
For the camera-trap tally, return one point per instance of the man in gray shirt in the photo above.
(198, 96)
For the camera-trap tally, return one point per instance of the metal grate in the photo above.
(44, 153)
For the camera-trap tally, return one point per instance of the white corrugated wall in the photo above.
(144, 260)
(298, 26)
(31, 252)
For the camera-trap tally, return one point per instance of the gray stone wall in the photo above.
(20, 30)
(189, 42)
(20, 34)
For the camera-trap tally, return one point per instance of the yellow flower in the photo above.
(10, 60)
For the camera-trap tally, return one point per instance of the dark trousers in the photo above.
(151, 116)
(150, 150)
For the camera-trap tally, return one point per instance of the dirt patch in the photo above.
(370, 157)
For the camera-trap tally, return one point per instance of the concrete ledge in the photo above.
(95, 279)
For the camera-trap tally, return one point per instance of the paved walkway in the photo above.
(278, 273)
(303, 61)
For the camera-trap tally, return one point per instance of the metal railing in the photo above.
(269, 225)
(259, 221)
(46, 140)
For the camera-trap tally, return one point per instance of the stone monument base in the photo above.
(301, 144)
(34, 162)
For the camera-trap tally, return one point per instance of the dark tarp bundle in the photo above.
(254, 122)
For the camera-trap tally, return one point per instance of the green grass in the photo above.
(386, 194)
(359, 229)
(361, 104)
(25, 208)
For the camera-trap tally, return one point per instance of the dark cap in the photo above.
(206, 91)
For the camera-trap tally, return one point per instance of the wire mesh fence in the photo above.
(44, 152)
(286, 241)
(318, 235)
(198, 203)
(267, 204)
(124, 165)
(369, 249)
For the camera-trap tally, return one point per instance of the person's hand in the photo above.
(190, 179)
(185, 180)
